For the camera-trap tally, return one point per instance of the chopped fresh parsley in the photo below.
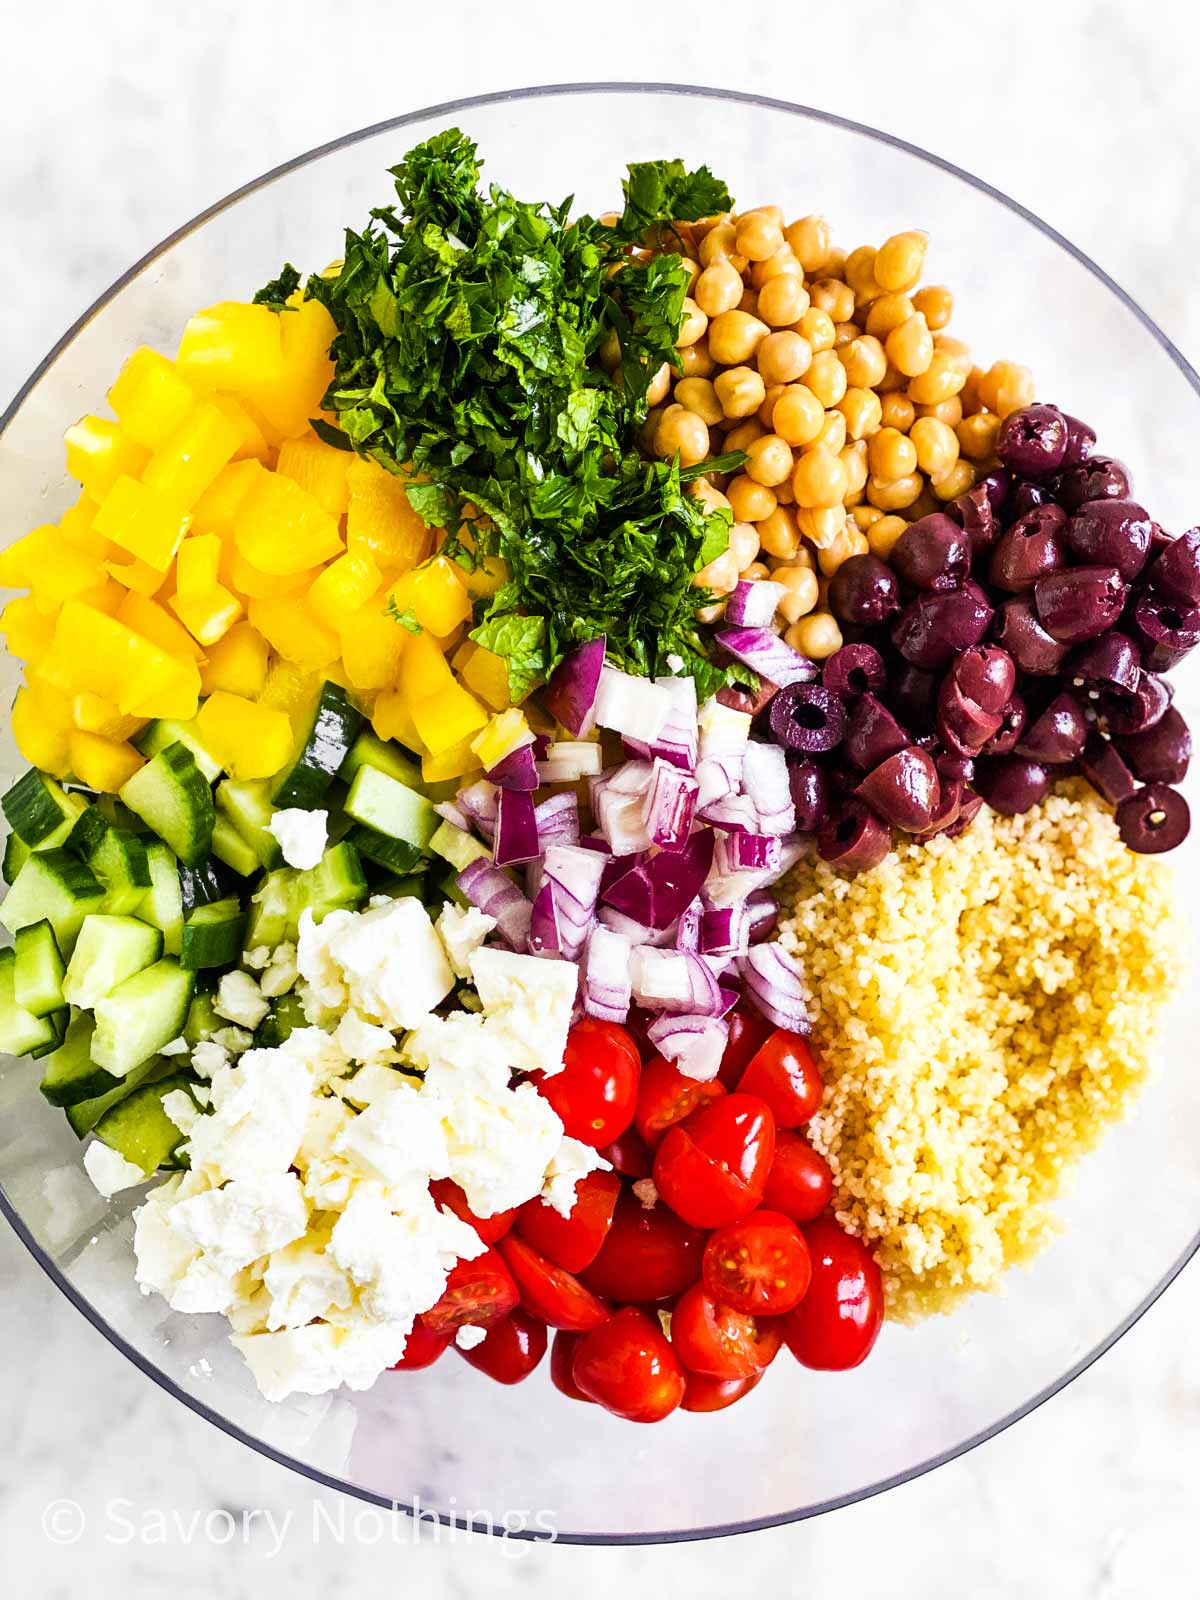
(407, 618)
(275, 294)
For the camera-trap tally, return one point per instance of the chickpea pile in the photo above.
(834, 373)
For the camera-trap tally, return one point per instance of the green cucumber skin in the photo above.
(85, 1114)
(54, 886)
(322, 751)
(172, 794)
(139, 1129)
(389, 807)
(386, 756)
(212, 935)
(142, 1014)
(38, 969)
(162, 905)
(71, 1077)
(21, 1033)
(38, 811)
(398, 855)
(160, 735)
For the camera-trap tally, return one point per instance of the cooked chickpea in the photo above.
(970, 392)
(649, 428)
(958, 352)
(826, 377)
(864, 360)
(779, 534)
(767, 409)
(798, 416)
(1006, 387)
(819, 478)
(835, 262)
(816, 636)
(977, 435)
(896, 411)
(749, 302)
(845, 333)
(892, 455)
(883, 533)
(833, 297)
(782, 264)
(799, 591)
(910, 346)
(770, 460)
(758, 236)
(784, 356)
(925, 502)
(692, 268)
(744, 435)
(734, 336)
(893, 378)
(696, 360)
(718, 288)
(817, 327)
(956, 481)
(681, 433)
(865, 516)
(719, 576)
(942, 378)
(785, 495)
(833, 432)
(936, 305)
(751, 501)
(821, 525)
(659, 386)
(849, 542)
(809, 238)
(720, 244)
(854, 458)
(900, 261)
(862, 410)
(740, 391)
(699, 395)
(893, 494)
(743, 544)
(709, 497)
(936, 445)
(948, 411)
(888, 312)
(693, 325)
(782, 301)
(860, 273)
(756, 572)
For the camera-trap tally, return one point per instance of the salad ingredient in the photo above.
(479, 1293)
(712, 1168)
(549, 1291)
(648, 1254)
(837, 1322)
(799, 1183)
(715, 1340)
(421, 1349)
(758, 1265)
(702, 1393)
(783, 1074)
(508, 1350)
(595, 1093)
(572, 1241)
(666, 1096)
(627, 1366)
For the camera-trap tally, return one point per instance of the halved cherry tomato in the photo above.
(712, 1168)
(759, 1265)
(784, 1074)
(596, 1091)
(629, 1368)
(666, 1096)
(748, 1032)
(574, 1241)
(648, 1255)
(702, 1393)
(557, 1297)
(511, 1348)
(838, 1320)
(630, 1155)
(720, 1342)
(800, 1183)
(421, 1349)
(562, 1361)
(480, 1292)
(447, 1193)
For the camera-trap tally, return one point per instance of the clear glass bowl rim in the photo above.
(451, 108)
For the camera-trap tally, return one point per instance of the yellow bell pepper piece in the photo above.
(456, 762)
(435, 594)
(391, 720)
(448, 717)
(250, 740)
(380, 522)
(149, 619)
(237, 663)
(93, 651)
(485, 674)
(252, 441)
(184, 466)
(373, 645)
(98, 453)
(319, 468)
(197, 563)
(144, 521)
(490, 575)
(246, 580)
(104, 596)
(232, 346)
(61, 572)
(343, 588)
(91, 713)
(136, 575)
(77, 526)
(102, 764)
(28, 631)
(504, 733)
(281, 529)
(40, 737)
(209, 614)
(425, 669)
(217, 509)
(290, 689)
(287, 399)
(150, 398)
(293, 631)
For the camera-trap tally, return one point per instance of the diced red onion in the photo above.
(675, 981)
(635, 707)
(568, 760)
(573, 875)
(694, 1045)
(636, 933)
(736, 813)
(687, 932)
(766, 653)
(765, 780)
(454, 815)
(622, 820)
(495, 894)
(725, 930)
(570, 694)
(774, 984)
(670, 805)
(659, 890)
(545, 938)
(748, 852)
(717, 776)
(517, 770)
(724, 731)
(753, 603)
(480, 801)
(605, 972)
(516, 828)
(762, 915)
(557, 820)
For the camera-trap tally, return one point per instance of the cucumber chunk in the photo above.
(212, 935)
(201, 886)
(172, 794)
(395, 854)
(39, 812)
(70, 1075)
(271, 909)
(83, 1115)
(56, 887)
(159, 735)
(229, 846)
(202, 1020)
(391, 808)
(16, 854)
(140, 1016)
(162, 904)
(368, 750)
(116, 855)
(336, 883)
(457, 847)
(109, 950)
(38, 969)
(21, 1033)
(285, 1016)
(321, 749)
(139, 1129)
(248, 807)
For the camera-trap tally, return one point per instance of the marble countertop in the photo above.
(116, 125)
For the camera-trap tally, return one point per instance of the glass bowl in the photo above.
(449, 1442)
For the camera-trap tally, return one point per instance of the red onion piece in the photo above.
(694, 1045)
(766, 653)
(774, 984)
(570, 694)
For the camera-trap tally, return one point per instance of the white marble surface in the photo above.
(118, 123)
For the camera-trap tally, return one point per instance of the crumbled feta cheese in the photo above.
(646, 1192)
(280, 971)
(304, 1282)
(469, 1337)
(109, 1170)
(318, 1358)
(175, 1047)
(201, 1094)
(530, 1000)
(387, 963)
(240, 1000)
(723, 731)
(182, 1110)
(302, 835)
(208, 1058)
(360, 1040)
(260, 1110)
(257, 958)
(572, 1161)
(235, 1040)
(499, 1145)
(463, 930)
(398, 1137)
(399, 1262)
(371, 1083)
(243, 1220)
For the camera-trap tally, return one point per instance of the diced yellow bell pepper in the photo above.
(485, 674)
(144, 521)
(343, 588)
(490, 575)
(209, 614)
(28, 631)
(62, 571)
(456, 762)
(217, 509)
(435, 594)
(197, 563)
(506, 732)
(100, 763)
(252, 441)
(246, 580)
(91, 713)
(281, 529)
(77, 526)
(150, 619)
(286, 401)
(40, 737)
(136, 575)
(319, 468)
(290, 689)
(104, 596)
(448, 717)
(184, 466)
(94, 652)
(19, 561)
(237, 663)
(372, 644)
(232, 346)
(391, 720)
(380, 522)
(425, 669)
(150, 398)
(250, 740)
(99, 452)
(292, 630)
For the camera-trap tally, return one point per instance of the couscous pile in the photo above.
(985, 1007)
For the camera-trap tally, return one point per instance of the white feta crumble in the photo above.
(470, 1337)
(244, 1219)
(387, 963)
(260, 1109)
(280, 971)
(182, 1110)
(257, 958)
(318, 1358)
(399, 1262)
(530, 1000)
(302, 835)
(304, 1282)
(109, 1170)
(397, 1138)
(175, 1047)
(240, 1000)
(234, 1040)
(362, 1041)
(462, 931)
(572, 1161)
(646, 1192)
(208, 1058)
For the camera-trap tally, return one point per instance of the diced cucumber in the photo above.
(159, 735)
(118, 815)
(85, 1114)
(391, 807)
(395, 854)
(271, 909)
(58, 1031)
(446, 888)
(212, 935)
(172, 794)
(320, 751)
(21, 1033)
(202, 1020)
(162, 904)
(70, 1075)
(229, 847)
(140, 1016)
(16, 854)
(38, 970)
(386, 756)
(201, 885)
(110, 949)
(54, 886)
(248, 807)
(139, 1129)
(285, 1016)
(39, 812)
(117, 857)
(336, 883)
(457, 847)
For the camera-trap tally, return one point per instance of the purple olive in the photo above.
(1011, 784)
(1103, 768)
(1027, 497)
(969, 808)
(1033, 441)
(904, 790)
(952, 768)
(1163, 753)
(864, 591)
(1109, 663)
(1012, 725)
(873, 734)
(932, 553)
(1027, 642)
(997, 485)
(965, 727)
(934, 628)
(853, 670)
(1111, 533)
(1153, 820)
(1081, 437)
(974, 514)
(855, 839)
(1058, 735)
(810, 793)
(1097, 478)
(1169, 631)
(1135, 711)
(986, 674)
(1031, 548)
(1079, 604)
(808, 717)
(1175, 572)
(751, 701)
(949, 805)
(912, 693)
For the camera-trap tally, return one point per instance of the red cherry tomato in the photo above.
(596, 1091)
(800, 1183)
(759, 1265)
(480, 1292)
(666, 1096)
(572, 1242)
(628, 1367)
(748, 1032)
(421, 1349)
(648, 1255)
(557, 1297)
(712, 1168)
(630, 1155)
(511, 1347)
(447, 1193)
(838, 1320)
(715, 1340)
(562, 1362)
(702, 1393)
(784, 1074)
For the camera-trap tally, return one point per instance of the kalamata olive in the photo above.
(969, 808)
(1111, 533)
(1135, 711)
(932, 553)
(934, 628)
(810, 793)
(1097, 478)
(1058, 734)
(1108, 663)
(951, 767)
(1170, 632)
(1011, 784)
(1163, 753)
(911, 692)
(1080, 603)
(964, 726)
(949, 804)
(1104, 769)
(1081, 437)
(1175, 571)
(853, 670)
(864, 592)
(1154, 819)
(986, 674)
(751, 701)
(1012, 725)
(1026, 497)
(1031, 548)
(997, 485)
(973, 512)
(872, 735)
(855, 840)
(1018, 630)
(904, 790)
(808, 717)
(1033, 441)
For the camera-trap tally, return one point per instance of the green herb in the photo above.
(275, 294)
(406, 618)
